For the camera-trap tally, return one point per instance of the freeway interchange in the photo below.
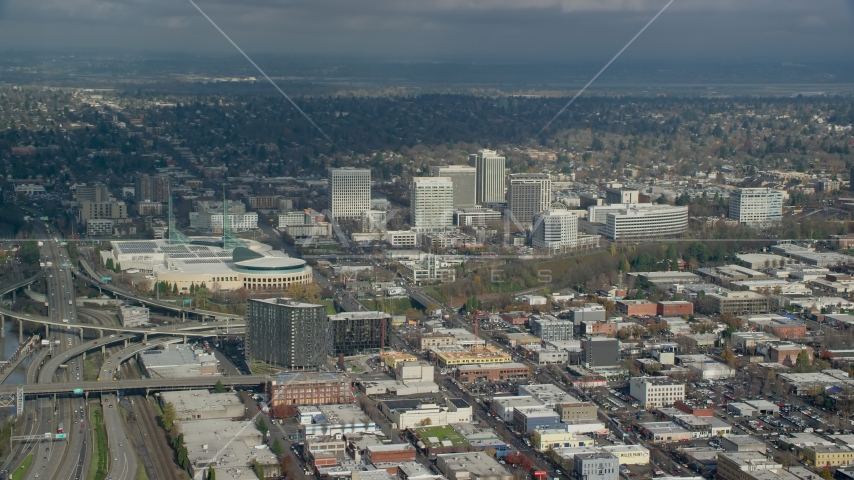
(56, 373)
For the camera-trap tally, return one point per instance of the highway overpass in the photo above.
(172, 330)
(148, 384)
(23, 283)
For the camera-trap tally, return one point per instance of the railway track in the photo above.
(149, 437)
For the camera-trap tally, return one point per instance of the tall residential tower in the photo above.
(285, 332)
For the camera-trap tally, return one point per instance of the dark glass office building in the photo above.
(357, 333)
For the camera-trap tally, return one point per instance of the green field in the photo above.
(394, 306)
(21, 472)
(100, 450)
(330, 306)
(441, 433)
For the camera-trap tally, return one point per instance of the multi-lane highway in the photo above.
(51, 459)
(123, 461)
(71, 354)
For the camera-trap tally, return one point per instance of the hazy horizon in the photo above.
(513, 31)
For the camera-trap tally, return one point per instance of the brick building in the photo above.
(309, 389)
(392, 453)
(675, 309)
(493, 372)
(786, 328)
(786, 353)
(608, 329)
(636, 308)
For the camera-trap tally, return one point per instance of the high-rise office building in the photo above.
(528, 195)
(555, 230)
(349, 192)
(94, 193)
(465, 182)
(285, 332)
(152, 188)
(431, 204)
(490, 176)
(756, 206)
(356, 333)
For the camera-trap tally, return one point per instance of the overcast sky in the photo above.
(487, 30)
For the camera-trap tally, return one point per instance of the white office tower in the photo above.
(349, 192)
(431, 204)
(555, 230)
(490, 176)
(528, 195)
(465, 181)
(756, 206)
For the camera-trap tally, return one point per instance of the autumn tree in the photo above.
(168, 416)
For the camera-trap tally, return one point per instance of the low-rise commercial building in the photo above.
(577, 411)
(628, 454)
(504, 406)
(548, 394)
(178, 361)
(653, 392)
(203, 405)
(411, 413)
(675, 309)
(331, 420)
(483, 355)
(493, 372)
(529, 419)
(744, 465)
(665, 432)
(734, 302)
(204, 438)
(828, 455)
(433, 340)
(742, 443)
(746, 341)
(133, 316)
(637, 308)
(544, 439)
(786, 353)
(471, 466)
(597, 466)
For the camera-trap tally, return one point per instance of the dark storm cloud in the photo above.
(424, 29)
